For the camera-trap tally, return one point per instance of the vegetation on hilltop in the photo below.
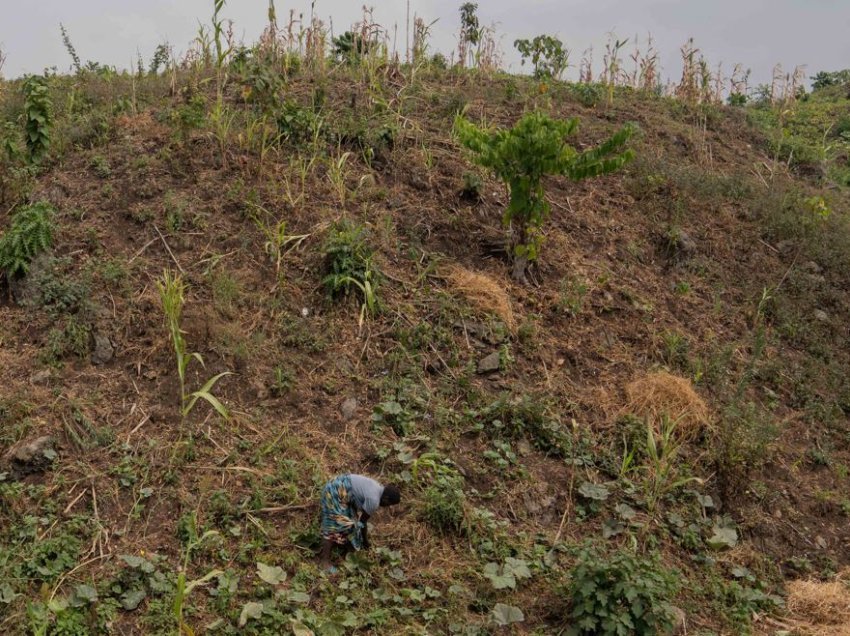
(651, 424)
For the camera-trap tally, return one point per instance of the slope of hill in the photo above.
(670, 386)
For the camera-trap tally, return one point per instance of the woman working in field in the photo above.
(348, 502)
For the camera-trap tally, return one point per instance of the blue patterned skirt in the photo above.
(340, 517)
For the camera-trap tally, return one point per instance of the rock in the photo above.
(685, 245)
(821, 315)
(103, 349)
(680, 622)
(490, 364)
(41, 377)
(348, 409)
(523, 448)
(786, 247)
(30, 457)
(820, 542)
(812, 267)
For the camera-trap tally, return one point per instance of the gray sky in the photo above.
(756, 33)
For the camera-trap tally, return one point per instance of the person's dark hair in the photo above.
(391, 495)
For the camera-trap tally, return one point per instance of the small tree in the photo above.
(470, 31)
(547, 54)
(521, 156)
(38, 117)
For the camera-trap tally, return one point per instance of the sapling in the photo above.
(521, 156)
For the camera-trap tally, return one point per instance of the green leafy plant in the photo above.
(443, 498)
(172, 291)
(184, 587)
(30, 234)
(661, 470)
(506, 575)
(547, 54)
(619, 595)
(38, 117)
(349, 265)
(521, 156)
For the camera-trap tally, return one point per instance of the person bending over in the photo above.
(348, 502)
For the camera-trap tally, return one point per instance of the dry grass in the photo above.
(821, 608)
(660, 393)
(482, 292)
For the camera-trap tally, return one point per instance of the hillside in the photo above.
(668, 386)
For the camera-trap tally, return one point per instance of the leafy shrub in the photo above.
(619, 595)
(352, 47)
(297, 124)
(349, 265)
(521, 156)
(547, 54)
(30, 234)
(443, 499)
(587, 94)
(514, 417)
(38, 117)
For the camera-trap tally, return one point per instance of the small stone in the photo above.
(820, 542)
(821, 315)
(812, 267)
(103, 349)
(305, 312)
(29, 457)
(786, 247)
(523, 448)
(490, 364)
(680, 622)
(41, 377)
(348, 409)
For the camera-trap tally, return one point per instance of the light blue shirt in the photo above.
(366, 493)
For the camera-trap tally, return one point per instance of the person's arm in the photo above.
(364, 518)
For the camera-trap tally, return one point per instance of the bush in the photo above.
(443, 499)
(30, 234)
(349, 266)
(619, 595)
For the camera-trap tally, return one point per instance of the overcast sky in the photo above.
(756, 33)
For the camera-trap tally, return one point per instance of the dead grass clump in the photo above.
(820, 608)
(660, 393)
(482, 292)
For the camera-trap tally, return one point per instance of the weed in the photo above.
(101, 166)
(535, 147)
(443, 506)
(571, 298)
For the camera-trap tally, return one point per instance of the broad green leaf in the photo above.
(597, 492)
(723, 537)
(517, 567)
(300, 629)
(204, 580)
(271, 574)
(85, 594)
(131, 599)
(251, 609)
(504, 615)
(7, 594)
